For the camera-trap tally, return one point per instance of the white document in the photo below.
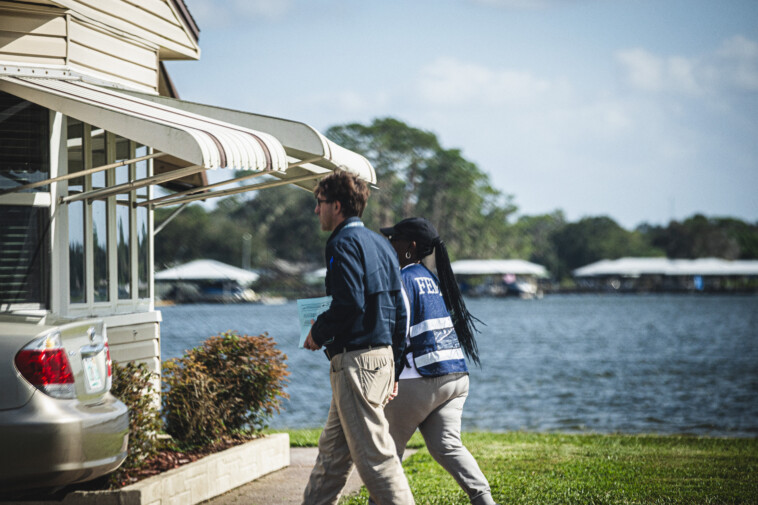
(308, 309)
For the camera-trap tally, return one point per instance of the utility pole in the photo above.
(247, 247)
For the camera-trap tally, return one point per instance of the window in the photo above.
(142, 217)
(99, 218)
(108, 238)
(24, 143)
(24, 244)
(76, 225)
(106, 257)
(124, 152)
(24, 255)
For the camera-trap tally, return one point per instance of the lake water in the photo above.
(569, 363)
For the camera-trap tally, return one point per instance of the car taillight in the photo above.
(108, 362)
(43, 362)
(108, 367)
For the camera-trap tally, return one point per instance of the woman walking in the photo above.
(434, 381)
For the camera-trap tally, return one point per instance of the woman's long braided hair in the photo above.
(463, 321)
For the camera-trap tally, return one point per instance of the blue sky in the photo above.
(641, 110)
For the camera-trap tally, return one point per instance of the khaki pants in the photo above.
(356, 432)
(434, 405)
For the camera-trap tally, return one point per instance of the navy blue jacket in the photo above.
(364, 281)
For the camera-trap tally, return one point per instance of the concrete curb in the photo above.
(194, 482)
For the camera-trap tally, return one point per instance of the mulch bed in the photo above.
(168, 459)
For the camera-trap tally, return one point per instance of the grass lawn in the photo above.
(556, 468)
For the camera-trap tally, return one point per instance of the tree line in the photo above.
(419, 177)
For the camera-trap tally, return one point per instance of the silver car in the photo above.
(59, 424)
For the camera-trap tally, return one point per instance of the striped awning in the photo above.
(301, 142)
(194, 137)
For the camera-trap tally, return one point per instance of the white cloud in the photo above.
(643, 70)
(448, 81)
(737, 58)
(648, 72)
(733, 66)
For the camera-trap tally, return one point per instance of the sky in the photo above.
(645, 111)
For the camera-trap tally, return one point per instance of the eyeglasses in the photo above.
(319, 201)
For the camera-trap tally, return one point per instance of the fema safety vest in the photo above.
(434, 343)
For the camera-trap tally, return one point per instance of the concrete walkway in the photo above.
(283, 487)
(286, 486)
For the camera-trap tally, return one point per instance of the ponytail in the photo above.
(463, 321)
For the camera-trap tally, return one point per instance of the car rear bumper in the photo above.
(50, 442)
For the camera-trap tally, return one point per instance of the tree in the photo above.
(535, 239)
(700, 237)
(399, 154)
(283, 224)
(178, 242)
(595, 238)
(417, 177)
(197, 233)
(745, 234)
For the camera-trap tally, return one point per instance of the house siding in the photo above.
(151, 21)
(136, 342)
(32, 36)
(112, 58)
(116, 41)
(135, 338)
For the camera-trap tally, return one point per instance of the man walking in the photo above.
(363, 332)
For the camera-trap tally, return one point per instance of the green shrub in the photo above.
(230, 383)
(133, 385)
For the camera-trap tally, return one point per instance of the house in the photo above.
(90, 128)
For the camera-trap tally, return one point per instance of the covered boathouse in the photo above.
(669, 275)
(500, 277)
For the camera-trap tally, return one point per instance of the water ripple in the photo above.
(657, 363)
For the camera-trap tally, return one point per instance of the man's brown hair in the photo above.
(348, 189)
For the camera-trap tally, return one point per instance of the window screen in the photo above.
(24, 143)
(24, 255)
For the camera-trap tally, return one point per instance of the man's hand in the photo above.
(393, 394)
(310, 343)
